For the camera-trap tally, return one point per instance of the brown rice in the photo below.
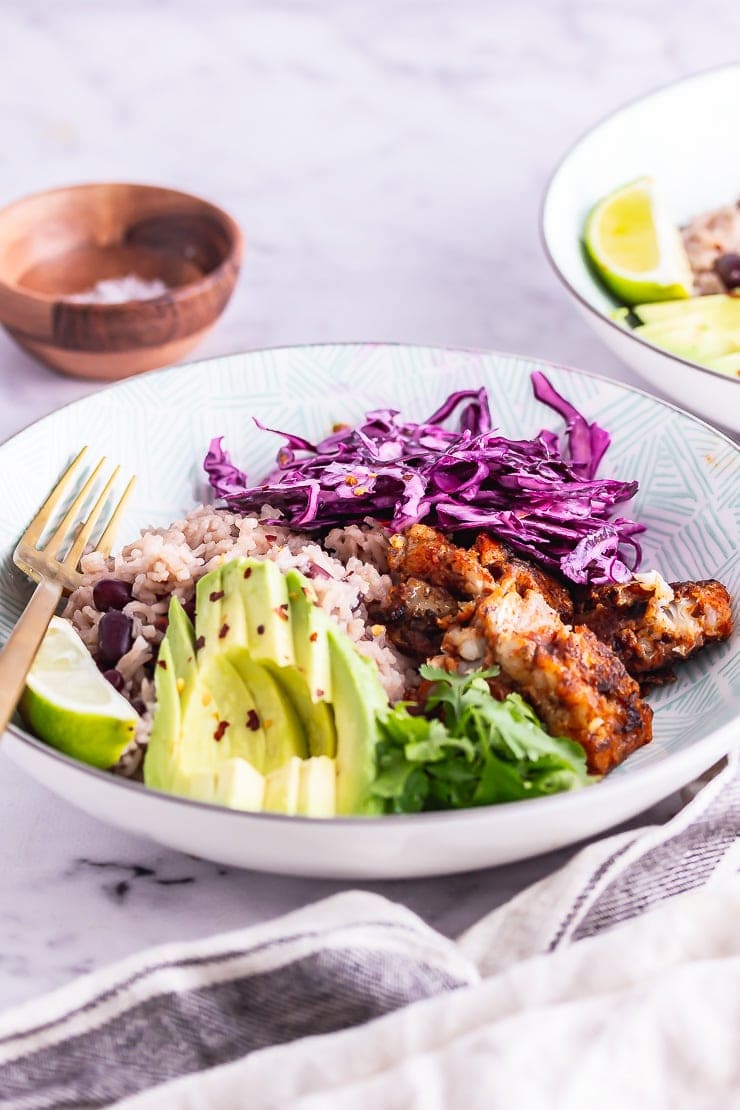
(706, 238)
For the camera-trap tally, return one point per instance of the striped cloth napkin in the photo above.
(617, 979)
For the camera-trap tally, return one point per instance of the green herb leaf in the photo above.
(469, 749)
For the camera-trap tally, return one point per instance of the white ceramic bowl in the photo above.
(684, 137)
(159, 425)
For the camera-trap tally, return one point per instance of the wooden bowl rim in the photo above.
(184, 292)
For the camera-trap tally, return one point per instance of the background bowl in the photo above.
(64, 241)
(687, 473)
(682, 135)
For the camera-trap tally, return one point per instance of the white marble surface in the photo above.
(386, 162)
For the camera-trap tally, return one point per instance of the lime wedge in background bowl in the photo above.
(70, 705)
(635, 246)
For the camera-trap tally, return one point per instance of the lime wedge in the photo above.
(635, 246)
(69, 704)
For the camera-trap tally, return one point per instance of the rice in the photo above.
(706, 238)
(348, 573)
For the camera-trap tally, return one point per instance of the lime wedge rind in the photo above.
(627, 221)
(71, 706)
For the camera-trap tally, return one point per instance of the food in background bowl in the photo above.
(404, 616)
(679, 288)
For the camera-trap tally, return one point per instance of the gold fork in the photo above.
(54, 568)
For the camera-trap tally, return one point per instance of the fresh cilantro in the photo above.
(466, 748)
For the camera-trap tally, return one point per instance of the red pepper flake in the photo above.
(282, 612)
(260, 629)
(319, 693)
(253, 721)
(216, 595)
(162, 663)
(270, 539)
(223, 630)
(200, 643)
(248, 572)
(220, 730)
(313, 637)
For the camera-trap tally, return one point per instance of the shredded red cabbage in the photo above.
(541, 497)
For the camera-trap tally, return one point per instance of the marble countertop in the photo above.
(386, 162)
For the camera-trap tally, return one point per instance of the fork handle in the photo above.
(20, 649)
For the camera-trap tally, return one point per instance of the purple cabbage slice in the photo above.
(540, 495)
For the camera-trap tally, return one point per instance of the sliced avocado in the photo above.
(310, 643)
(235, 784)
(220, 619)
(271, 641)
(285, 735)
(208, 623)
(282, 787)
(233, 627)
(699, 329)
(183, 755)
(720, 307)
(317, 787)
(221, 720)
(265, 598)
(239, 786)
(181, 640)
(691, 337)
(235, 723)
(311, 646)
(358, 698)
(302, 786)
(317, 717)
(160, 760)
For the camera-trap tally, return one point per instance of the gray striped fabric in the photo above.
(679, 864)
(342, 962)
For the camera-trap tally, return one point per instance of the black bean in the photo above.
(313, 570)
(110, 593)
(115, 678)
(138, 706)
(189, 607)
(727, 267)
(115, 635)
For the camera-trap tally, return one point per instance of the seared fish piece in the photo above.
(574, 682)
(652, 624)
(423, 553)
(498, 559)
(414, 614)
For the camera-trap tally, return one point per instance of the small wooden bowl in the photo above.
(65, 241)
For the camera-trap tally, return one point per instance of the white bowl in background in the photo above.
(683, 136)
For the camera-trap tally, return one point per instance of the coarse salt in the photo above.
(120, 290)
